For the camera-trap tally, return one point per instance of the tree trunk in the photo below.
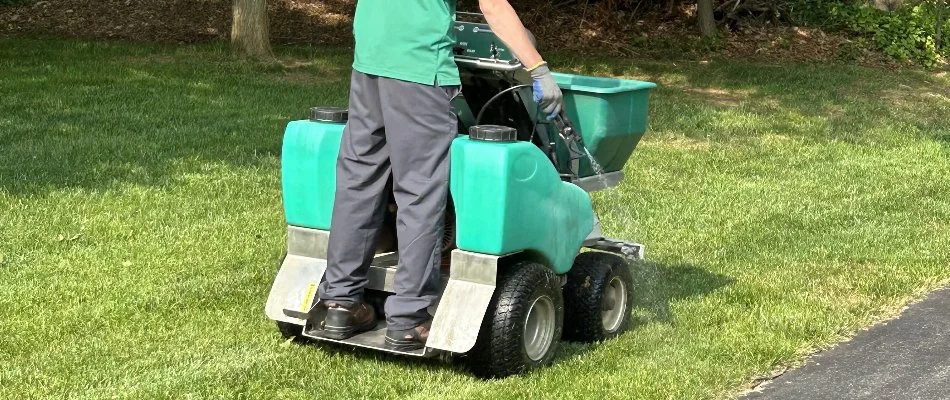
(250, 30)
(888, 5)
(707, 21)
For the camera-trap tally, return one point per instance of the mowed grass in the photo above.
(784, 207)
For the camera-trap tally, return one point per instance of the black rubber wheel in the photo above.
(598, 297)
(522, 326)
(288, 330)
(449, 230)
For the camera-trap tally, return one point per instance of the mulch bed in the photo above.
(581, 29)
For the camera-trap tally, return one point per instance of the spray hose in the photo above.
(565, 129)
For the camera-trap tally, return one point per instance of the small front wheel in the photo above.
(288, 330)
(522, 328)
(598, 297)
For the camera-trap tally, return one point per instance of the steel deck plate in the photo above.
(373, 339)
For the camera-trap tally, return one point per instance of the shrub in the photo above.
(908, 33)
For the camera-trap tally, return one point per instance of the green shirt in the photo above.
(409, 40)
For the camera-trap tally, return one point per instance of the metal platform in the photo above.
(629, 250)
(600, 182)
(374, 339)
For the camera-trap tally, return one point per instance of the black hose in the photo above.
(481, 112)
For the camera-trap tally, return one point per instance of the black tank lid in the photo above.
(329, 114)
(493, 133)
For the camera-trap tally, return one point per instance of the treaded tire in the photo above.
(288, 330)
(500, 350)
(584, 297)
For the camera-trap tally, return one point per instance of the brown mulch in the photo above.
(582, 29)
(169, 21)
(183, 21)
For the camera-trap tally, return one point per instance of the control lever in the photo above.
(573, 141)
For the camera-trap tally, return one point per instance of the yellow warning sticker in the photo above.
(308, 297)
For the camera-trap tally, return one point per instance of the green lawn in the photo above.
(784, 207)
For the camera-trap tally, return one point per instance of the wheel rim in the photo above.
(615, 304)
(539, 328)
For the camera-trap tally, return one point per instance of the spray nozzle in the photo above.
(572, 141)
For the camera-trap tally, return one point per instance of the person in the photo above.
(401, 124)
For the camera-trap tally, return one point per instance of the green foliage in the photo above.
(908, 33)
(852, 50)
(816, 13)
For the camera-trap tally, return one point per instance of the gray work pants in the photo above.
(404, 129)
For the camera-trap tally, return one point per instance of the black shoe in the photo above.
(344, 322)
(410, 339)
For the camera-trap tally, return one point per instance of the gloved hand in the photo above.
(546, 92)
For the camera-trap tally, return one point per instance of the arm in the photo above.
(508, 27)
(504, 22)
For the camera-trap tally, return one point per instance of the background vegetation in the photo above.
(871, 32)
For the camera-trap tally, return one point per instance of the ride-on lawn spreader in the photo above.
(515, 278)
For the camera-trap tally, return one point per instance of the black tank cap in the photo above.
(329, 114)
(493, 133)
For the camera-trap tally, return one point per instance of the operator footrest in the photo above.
(296, 314)
(629, 250)
(373, 339)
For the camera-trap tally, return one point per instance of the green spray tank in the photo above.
(525, 262)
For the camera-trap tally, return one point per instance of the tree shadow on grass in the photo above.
(95, 115)
(99, 115)
(945, 138)
(656, 286)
